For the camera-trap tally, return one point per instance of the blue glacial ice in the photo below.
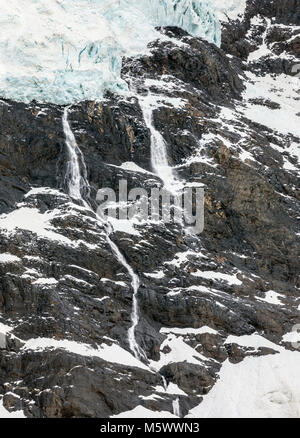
(65, 51)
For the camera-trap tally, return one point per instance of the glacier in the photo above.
(65, 51)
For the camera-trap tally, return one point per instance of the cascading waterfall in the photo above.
(159, 156)
(77, 184)
(176, 407)
(134, 346)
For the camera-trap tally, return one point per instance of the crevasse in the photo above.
(64, 51)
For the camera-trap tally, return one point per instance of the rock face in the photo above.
(230, 120)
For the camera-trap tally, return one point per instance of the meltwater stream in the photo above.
(77, 184)
(159, 155)
(176, 407)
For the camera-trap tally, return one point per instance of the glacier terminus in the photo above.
(65, 51)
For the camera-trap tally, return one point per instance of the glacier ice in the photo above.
(229, 9)
(63, 51)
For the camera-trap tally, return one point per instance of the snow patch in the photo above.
(142, 412)
(265, 386)
(179, 352)
(46, 281)
(8, 258)
(281, 89)
(4, 328)
(158, 275)
(252, 341)
(4, 413)
(272, 297)
(113, 353)
(124, 226)
(218, 276)
(189, 331)
(293, 337)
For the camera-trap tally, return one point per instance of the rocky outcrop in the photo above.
(275, 24)
(66, 300)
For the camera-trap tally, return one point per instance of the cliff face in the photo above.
(206, 304)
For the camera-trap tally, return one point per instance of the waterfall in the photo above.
(135, 283)
(165, 383)
(159, 156)
(77, 184)
(176, 407)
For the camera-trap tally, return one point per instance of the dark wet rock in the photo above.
(194, 62)
(64, 282)
(282, 15)
(191, 378)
